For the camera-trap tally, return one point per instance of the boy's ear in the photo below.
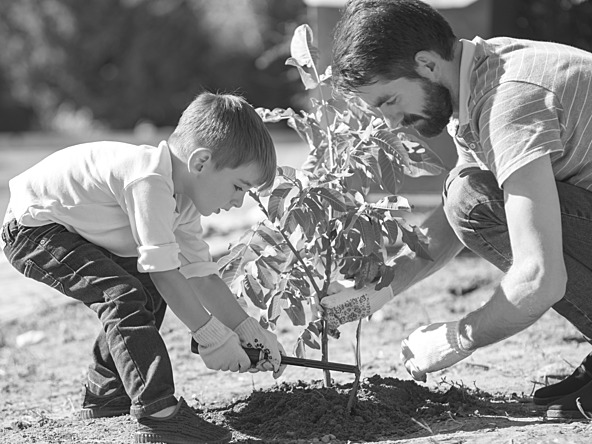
(198, 159)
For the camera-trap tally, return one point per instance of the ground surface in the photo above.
(45, 341)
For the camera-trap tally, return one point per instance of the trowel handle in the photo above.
(254, 356)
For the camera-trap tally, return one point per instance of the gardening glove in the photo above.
(431, 348)
(220, 348)
(351, 305)
(252, 335)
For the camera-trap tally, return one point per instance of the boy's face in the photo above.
(212, 190)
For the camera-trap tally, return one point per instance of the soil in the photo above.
(484, 399)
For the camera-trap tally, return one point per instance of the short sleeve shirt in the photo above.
(120, 197)
(526, 100)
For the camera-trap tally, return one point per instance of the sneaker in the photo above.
(183, 426)
(577, 405)
(578, 379)
(95, 406)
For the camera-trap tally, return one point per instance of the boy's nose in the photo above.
(237, 201)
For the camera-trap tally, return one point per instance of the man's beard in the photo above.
(436, 111)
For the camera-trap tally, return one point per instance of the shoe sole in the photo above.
(567, 414)
(546, 401)
(142, 438)
(92, 414)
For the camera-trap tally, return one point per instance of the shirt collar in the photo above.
(466, 67)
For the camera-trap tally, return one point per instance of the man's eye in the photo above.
(391, 102)
(237, 188)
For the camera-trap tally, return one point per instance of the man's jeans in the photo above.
(474, 206)
(129, 352)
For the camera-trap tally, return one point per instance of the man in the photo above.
(520, 113)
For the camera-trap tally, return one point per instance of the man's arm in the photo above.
(534, 282)
(537, 277)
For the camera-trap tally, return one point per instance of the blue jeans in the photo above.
(129, 353)
(474, 206)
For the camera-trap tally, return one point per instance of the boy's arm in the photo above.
(215, 295)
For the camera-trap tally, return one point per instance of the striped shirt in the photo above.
(525, 100)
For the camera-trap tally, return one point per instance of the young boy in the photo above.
(117, 227)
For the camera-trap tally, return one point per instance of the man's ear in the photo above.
(426, 64)
(198, 159)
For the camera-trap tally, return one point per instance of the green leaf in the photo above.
(422, 160)
(391, 143)
(267, 277)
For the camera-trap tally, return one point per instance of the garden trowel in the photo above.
(254, 356)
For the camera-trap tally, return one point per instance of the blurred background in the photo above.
(73, 71)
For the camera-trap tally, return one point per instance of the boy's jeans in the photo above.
(474, 206)
(129, 352)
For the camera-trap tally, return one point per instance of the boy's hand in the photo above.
(252, 335)
(220, 348)
(431, 348)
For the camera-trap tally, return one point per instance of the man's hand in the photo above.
(351, 305)
(252, 335)
(431, 348)
(220, 348)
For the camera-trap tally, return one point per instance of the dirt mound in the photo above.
(385, 407)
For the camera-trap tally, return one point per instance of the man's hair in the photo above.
(230, 127)
(378, 39)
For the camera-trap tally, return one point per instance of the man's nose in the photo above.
(393, 119)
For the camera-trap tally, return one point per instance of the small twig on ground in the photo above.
(474, 364)
(582, 411)
(423, 425)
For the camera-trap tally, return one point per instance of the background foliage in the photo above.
(122, 62)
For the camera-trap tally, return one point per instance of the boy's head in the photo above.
(225, 149)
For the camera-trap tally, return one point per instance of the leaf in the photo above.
(266, 276)
(391, 203)
(304, 56)
(301, 47)
(296, 311)
(367, 234)
(422, 160)
(391, 143)
(392, 229)
(277, 303)
(254, 291)
(411, 238)
(276, 200)
(386, 277)
(389, 173)
(335, 200)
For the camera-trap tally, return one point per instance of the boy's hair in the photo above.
(230, 127)
(378, 39)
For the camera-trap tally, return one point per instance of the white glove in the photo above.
(220, 348)
(252, 335)
(431, 348)
(351, 305)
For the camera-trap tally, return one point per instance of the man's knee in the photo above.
(465, 188)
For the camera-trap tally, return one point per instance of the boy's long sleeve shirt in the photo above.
(120, 197)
